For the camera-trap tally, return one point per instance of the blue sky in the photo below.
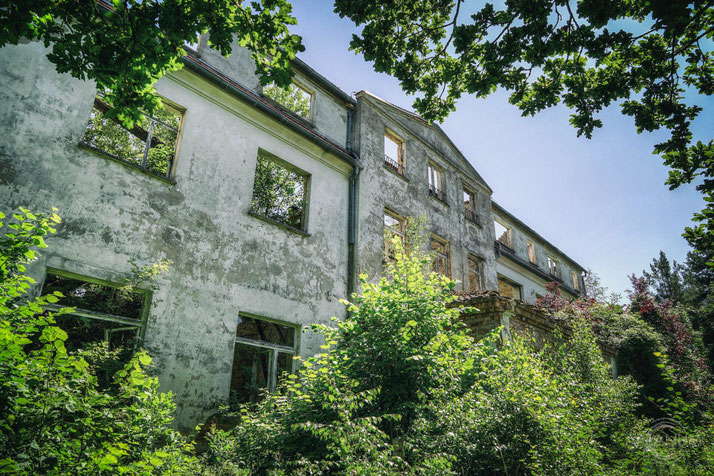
(602, 200)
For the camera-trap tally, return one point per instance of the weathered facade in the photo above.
(361, 166)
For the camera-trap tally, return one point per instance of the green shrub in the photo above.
(56, 418)
(401, 388)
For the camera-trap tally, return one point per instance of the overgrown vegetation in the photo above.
(400, 387)
(69, 412)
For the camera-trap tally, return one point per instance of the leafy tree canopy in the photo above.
(587, 54)
(127, 45)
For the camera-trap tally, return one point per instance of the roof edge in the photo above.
(436, 127)
(537, 235)
(331, 87)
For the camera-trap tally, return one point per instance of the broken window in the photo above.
(394, 153)
(279, 191)
(475, 265)
(436, 185)
(508, 288)
(531, 253)
(552, 267)
(394, 226)
(296, 98)
(103, 313)
(503, 234)
(263, 353)
(470, 205)
(150, 144)
(440, 248)
(576, 281)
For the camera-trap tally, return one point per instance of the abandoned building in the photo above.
(267, 203)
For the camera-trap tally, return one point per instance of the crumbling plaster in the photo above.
(224, 261)
(408, 196)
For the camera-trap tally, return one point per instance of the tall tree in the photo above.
(127, 45)
(587, 54)
(665, 278)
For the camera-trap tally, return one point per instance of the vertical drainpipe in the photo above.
(351, 213)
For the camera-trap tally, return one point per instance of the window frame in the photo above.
(275, 349)
(509, 233)
(306, 89)
(398, 164)
(470, 211)
(446, 256)
(480, 262)
(553, 267)
(518, 287)
(532, 256)
(403, 222)
(139, 324)
(171, 169)
(576, 280)
(307, 182)
(438, 189)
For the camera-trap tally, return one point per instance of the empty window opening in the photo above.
(552, 267)
(475, 265)
(194, 45)
(150, 144)
(103, 313)
(263, 354)
(503, 234)
(279, 192)
(394, 153)
(576, 281)
(508, 288)
(436, 185)
(531, 253)
(470, 206)
(440, 248)
(296, 98)
(394, 226)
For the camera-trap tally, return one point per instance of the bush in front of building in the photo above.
(57, 417)
(401, 388)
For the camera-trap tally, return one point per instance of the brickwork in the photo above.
(522, 319)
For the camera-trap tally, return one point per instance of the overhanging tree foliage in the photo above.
(586, 54)
(127, 45)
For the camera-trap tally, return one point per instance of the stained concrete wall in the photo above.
(329, 113)
(224, 260)
(380, 188)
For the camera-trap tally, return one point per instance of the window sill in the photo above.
(401, 176)
(473, 222)
(437, 199)
(278, 224)
(125, 163)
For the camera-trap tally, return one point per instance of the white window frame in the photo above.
(274, 348)
(479, 271)
(553, 267)
(446, 256)
(401, 232)
(435, 176)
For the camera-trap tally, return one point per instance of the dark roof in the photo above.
(308, 71)
(498, 208)
(269, 107)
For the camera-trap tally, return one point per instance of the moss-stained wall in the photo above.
(380, 187)
(224, 260)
